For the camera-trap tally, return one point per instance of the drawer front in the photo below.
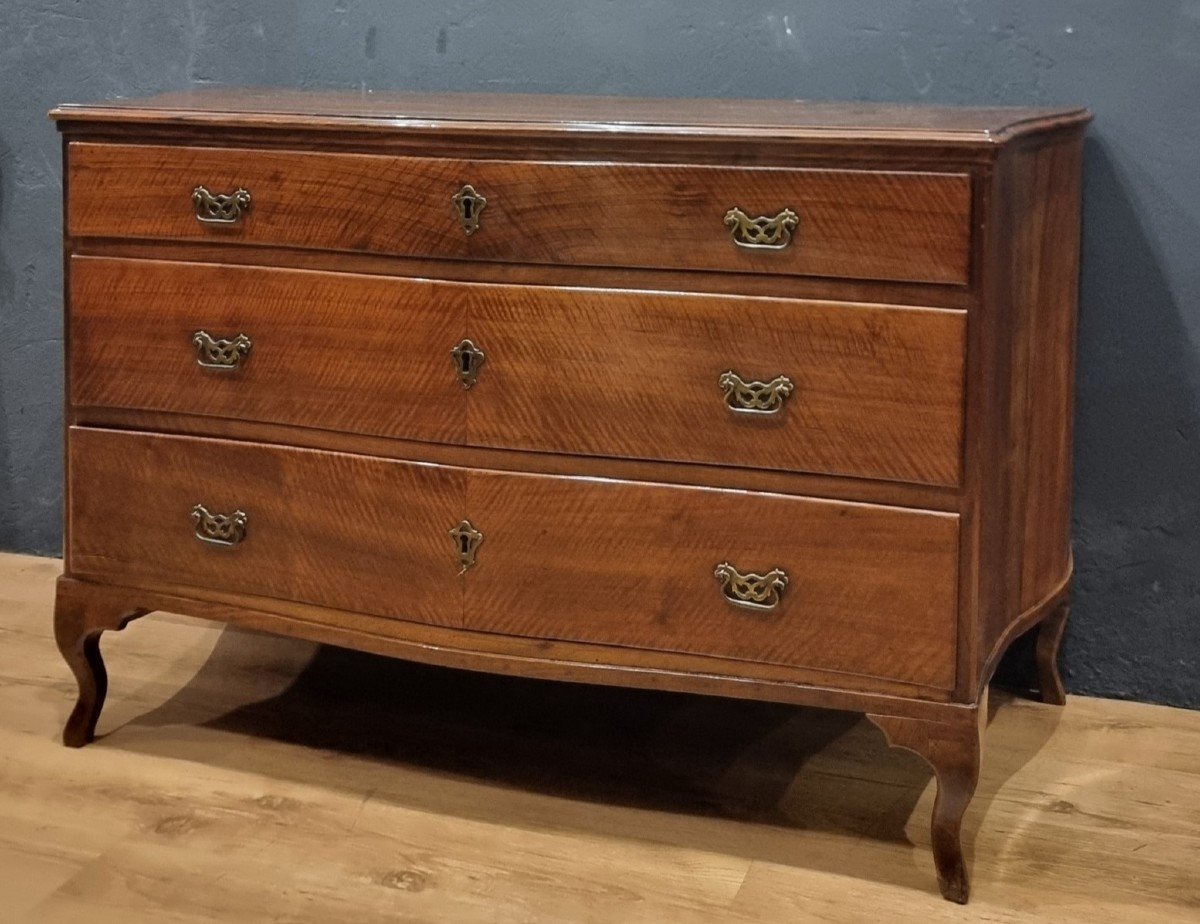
(818, 387)
(829, 388)
(857, 224)
(332, 351)
(869, 590)
(819, 586)
(329, 529)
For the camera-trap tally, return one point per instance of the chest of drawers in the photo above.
(765, 400)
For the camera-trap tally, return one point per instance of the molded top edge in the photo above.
(402, 111)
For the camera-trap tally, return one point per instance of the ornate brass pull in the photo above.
(222, 355)
(468, 204)
(466, 540)
(755, 397)
(220, 210)
(467, 359)
(761, 233)
(219, 528)
(754, 591)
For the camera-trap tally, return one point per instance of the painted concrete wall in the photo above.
(1136, 630)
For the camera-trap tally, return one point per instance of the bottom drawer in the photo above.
(793, 581)
(332, 529)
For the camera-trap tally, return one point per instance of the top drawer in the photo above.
(855, 224)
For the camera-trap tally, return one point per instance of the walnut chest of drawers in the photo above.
(767, 400)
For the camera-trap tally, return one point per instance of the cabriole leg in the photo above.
(1049, 643)
(80, 616)
(952, 748)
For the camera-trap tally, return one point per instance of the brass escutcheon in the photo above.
(219, 528)
(213, 209)
(761, 233)
(468, 204)
(466, 540)
(755, 397)
(467, 359)
(222, 355)
(753, 591)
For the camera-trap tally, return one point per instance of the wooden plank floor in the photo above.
(241, 777)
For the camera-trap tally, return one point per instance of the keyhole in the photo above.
(463, 545)
(468, 206)
(466, 363)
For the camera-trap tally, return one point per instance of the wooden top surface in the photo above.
(379, 110)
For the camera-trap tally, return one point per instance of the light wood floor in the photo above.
(241, 777)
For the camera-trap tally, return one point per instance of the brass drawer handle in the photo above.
(755, 397)
(213, 209)
(222, 355)
(468, 204)
(754, 591)
(466, 540)
(761, 233)
(219, 528)
(467, 359)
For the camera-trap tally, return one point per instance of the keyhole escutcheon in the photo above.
(467, 359)
(468, 204)
(466, 541)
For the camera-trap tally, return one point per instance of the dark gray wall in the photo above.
(1136, 629)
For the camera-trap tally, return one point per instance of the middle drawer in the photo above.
(830, 388)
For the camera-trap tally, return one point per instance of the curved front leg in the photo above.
(81, 614)
(952, 748)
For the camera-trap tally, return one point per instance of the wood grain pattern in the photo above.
(863, 490)
(333, 351)
(872, 225)
(1045, 273)
(330, 529)
(562, 558)
(630, 564)
(878, 390)
(870, 291)
(515, 656)
(1024, 432)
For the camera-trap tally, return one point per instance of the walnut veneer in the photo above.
(767, 400)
